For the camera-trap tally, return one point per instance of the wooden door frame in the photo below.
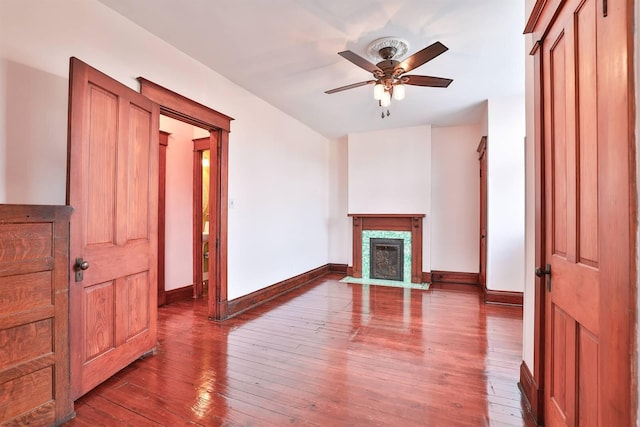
(536, 395)
(532, 379)
(482, 235)
(162, 180)
(185, 110)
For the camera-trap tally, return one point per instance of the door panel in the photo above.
(99, 320)
(138, 174)
(101, 157)
(561, 330)
(588, 382)
(113, 184)
(558, 146)
(588, 135)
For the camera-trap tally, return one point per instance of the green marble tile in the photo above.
(377, 234)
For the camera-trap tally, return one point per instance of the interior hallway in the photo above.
(327, 354)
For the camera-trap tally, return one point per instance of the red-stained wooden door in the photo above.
(113, 188)
(587, 223)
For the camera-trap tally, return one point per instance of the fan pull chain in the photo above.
(382, 114)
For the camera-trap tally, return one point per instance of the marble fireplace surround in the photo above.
(388, 222)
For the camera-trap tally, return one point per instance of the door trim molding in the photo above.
(538, 372)
(186, 110)
(482, 230)
(162, 179)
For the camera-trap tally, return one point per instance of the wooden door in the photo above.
(113, 188)
(482, 156)
(201, 213)
(587, 222)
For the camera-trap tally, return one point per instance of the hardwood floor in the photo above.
(327, 354)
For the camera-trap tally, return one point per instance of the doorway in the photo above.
(185, 110)
(183, 204)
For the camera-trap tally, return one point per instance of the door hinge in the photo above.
(605, 8)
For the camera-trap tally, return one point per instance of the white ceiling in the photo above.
(285, 51)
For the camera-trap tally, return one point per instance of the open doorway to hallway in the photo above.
(183, 211)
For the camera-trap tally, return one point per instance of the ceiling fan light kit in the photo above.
(378, 90)
(389, 74)
(398, 92)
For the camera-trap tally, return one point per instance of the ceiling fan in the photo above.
(389, 74)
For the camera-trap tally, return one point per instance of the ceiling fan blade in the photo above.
(359, 61)
(423, 56)
(427, 81)
(351, 86)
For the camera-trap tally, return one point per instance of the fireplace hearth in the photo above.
(387, 259)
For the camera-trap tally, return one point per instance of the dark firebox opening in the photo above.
(386, 259)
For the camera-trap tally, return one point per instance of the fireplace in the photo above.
(386, 260)
(404, 227)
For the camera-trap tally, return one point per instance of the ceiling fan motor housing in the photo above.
(387, 52)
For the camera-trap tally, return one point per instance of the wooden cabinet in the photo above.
(34, 315)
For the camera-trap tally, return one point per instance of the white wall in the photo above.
(278, 168)
(339, 223)
(455, 198)
(279, 185)
(390, 172)
(505, 194)
(179, 204)
(33, 137)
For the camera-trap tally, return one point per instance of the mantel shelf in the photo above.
(388, 215)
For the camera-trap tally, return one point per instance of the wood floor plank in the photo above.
(326, 354)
